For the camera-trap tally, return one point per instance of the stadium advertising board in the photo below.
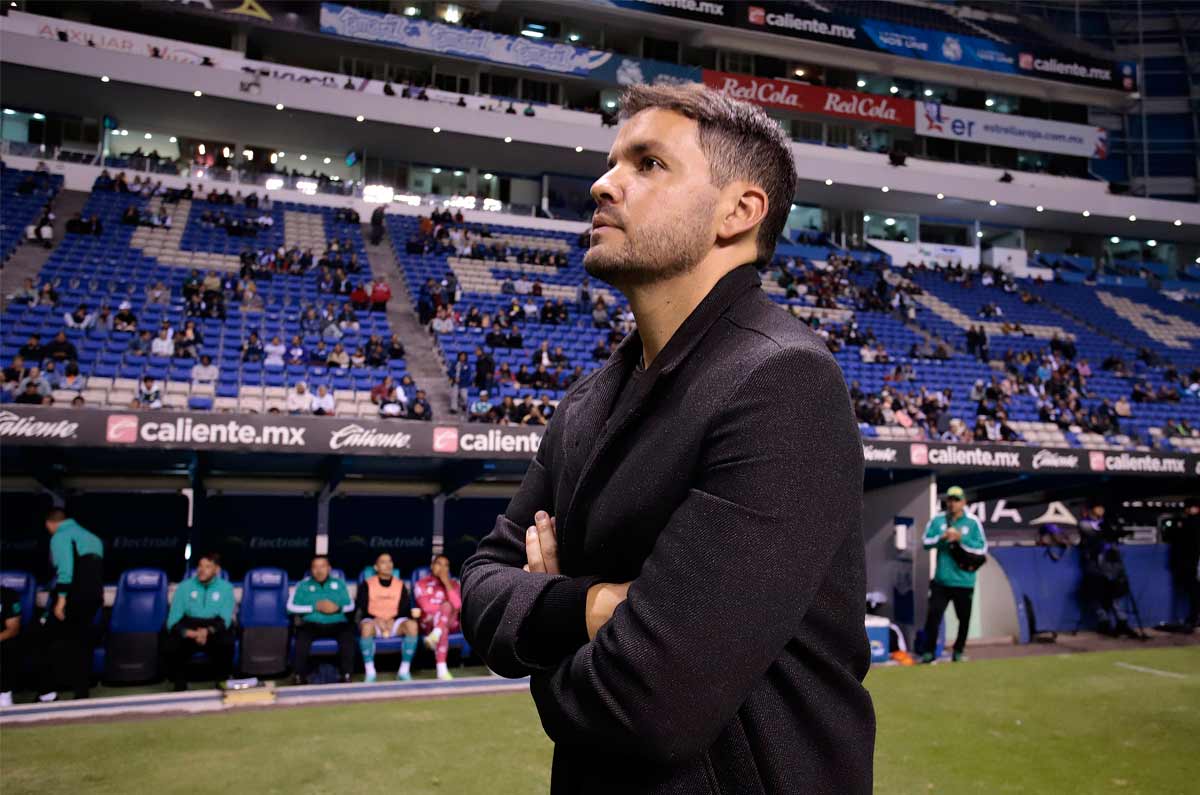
(483, 45)
(806, 21)
(1000, 129)
(284, 434)
(805, 98)
(123, 41)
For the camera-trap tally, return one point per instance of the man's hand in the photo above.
(384, 627)
(415, 612)
(60, 608)
(326, 606)
(952, 534)
(202, 635)
(191, 634)
(541, 545)
(602, 600)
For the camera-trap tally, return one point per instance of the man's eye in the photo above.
(649, 163)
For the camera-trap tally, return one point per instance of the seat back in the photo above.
(26, 586)
(264, 598)
(141, 603)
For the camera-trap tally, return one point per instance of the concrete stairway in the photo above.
(29, 258)
(424, 360)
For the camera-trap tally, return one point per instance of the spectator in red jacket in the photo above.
(380, 295)
(360, 298)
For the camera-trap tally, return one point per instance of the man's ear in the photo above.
(744, 207)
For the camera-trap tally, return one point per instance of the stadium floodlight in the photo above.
(1151, 243)
(274, 183)
(1133, 218)
(894, 89)
(533, 34)
(360, 117)
(573, 37)
(39, 117)
(307, 187)
(197, 93)
(274, 158)
(579, 149)
(941, 196)
(862, 84)
(866, 218)
(103, 78)
(799, 73)
(278, 106)
(200, 148)
(226, 151)
(610, 104)
(929, 92)
(458, 173)
(411, 11)
(828, 181)
(1178, 222)
(508, 139)
(248, 154)
(378, 194)
(327, 161)
(452, 14)
(889, 221)
(303, 157)
(989, 102)
(979, 233)
(9, 112)
(147, 136)
(436, 170)
(885, 189)
(1040, 208)
(991, 202)
(282, 153)
(1087, 213)
(437, 129)
(488, 176)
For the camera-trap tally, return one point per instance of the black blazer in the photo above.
(729, 489)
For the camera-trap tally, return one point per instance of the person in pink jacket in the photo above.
(440, 601)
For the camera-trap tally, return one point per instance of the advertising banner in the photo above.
(284, 434)
(1019, 132)
(482, 45)
(805, 98)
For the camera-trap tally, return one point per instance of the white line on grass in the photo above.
(1154, 671)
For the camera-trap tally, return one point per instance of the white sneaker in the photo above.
(445, 676)
(431, 640)
(46, 698)
(6, 699)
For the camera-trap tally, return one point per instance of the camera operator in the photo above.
(1105, 582)
(1184, 538)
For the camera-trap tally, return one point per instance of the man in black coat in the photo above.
(681, 571)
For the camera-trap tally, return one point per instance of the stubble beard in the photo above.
(659, 253)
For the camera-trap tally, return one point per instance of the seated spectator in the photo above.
(149, 393)
(201, 620)
(338, 357)
(392, 405)
(141, 344)
(481, 408)
(395, 348)
(358, 358)
(319, 355)
(323, 604)
(81, 318)
(205, 372)
(61, 349)
(443, 321)
(299, 400)
(27, 294)
(29, 393)
(252, 349)
(296, 355)
(420, 401)
(125, 319)
(158, 294)
(322, 402)
(496, 338)
(274, 352)
(380, 294)
(72, 381)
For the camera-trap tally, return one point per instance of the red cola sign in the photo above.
(804, 98)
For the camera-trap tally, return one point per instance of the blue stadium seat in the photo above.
(138, 615)
(264, 622)
(25, 585)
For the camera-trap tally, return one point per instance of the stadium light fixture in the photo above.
(282, 153)
(457, 173)
(452, 14)
(533, 34)
(573, 37)
(488, 176)
(303, 157)
(889, 221)
(326, 161)
(979, 233)
(9, 112)
(197, 93)
(1198, 260)
(360, 117)
(226, 151)
(1087, 213)
(437, 129)
(579, 149)
(103, 78)
(941, 196)
(173, 140)
(200, 149)
(894, 89)
(861, 83)
(125, 133)
(610, 104)
(828, 182)
(1178, 222)
(274, 158)
(1114, 239)
(435, 170)
(1151, 243)
(1133, 218)
(991, 202)
(38, 117)
(274, 183)
(411, 11)
(929, 92)
(278, 106)
(866, 218)
(147, 136)
(885, 189)
(307, 187)
(799, 73)
(378, 194)
(508, 139)
(248, 154)
(1040, 208)
(989, 102)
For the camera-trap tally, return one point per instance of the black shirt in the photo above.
(10, 605)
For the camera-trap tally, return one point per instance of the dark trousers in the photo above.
(66, 649)
(939, 597)
(10, 663)
(179, 649)
(342, 632)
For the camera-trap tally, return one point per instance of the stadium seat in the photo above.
(26, 586)
(264, 622)
(138, 615)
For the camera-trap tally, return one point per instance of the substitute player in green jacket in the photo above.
(78, 558)
(201, 620)
(323, 603)
(951, 583)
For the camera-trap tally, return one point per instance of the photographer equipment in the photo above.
(967, 561)
(1105, 581)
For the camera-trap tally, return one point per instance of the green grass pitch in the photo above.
(1052, 724)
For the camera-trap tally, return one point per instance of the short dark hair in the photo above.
(441, 555)
(740, 141)
(56, 515)
(212, 557)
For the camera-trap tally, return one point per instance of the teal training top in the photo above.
(68, 539)
(308, 592)
(973, 540)
(195, 599)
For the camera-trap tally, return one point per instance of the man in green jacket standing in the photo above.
(201, 620)
(951, 583)
(323, 604)
(78, 559)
